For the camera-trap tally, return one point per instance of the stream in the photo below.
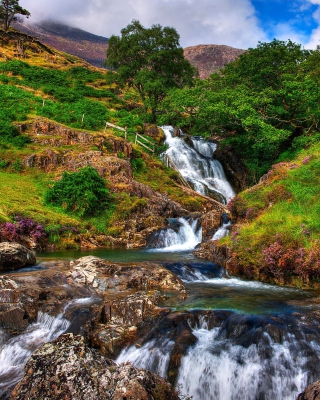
(253, 341)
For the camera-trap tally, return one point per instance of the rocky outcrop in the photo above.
(215, 252)
(49, 133)
(15, 255)
(312, 392)
(211, 57)
(236, 172)
(68, 369)
(101, 275)
(125, 296)
(210, 222)
(18, 307)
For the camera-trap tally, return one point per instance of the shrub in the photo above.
(84, 192)
(12, 232)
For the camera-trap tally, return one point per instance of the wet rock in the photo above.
(101, 275)
(118, 321)
(15, 255)
(68, 369)
(211, 221)
(213, 251)
(18, 307)
(312, 392)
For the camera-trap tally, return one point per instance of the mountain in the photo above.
(78, 42)
(209, 58)
(92, 48)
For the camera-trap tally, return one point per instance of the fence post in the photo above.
(125, 133)
(105, 128)
(82, 119)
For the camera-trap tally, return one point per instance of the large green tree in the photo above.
(149, 60)
(9, 9)
(266, 104)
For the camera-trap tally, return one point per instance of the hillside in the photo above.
(211, 58)
(275, 237)
(78, 42)
(53, 114)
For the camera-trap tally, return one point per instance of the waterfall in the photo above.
(224, 229)
(244, 364)
(196, 165)
(151, 356)
(15, 351)
(181, 235)
(215, 368)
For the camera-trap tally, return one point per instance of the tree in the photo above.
(265, 104)
(8, 11)
(149, 60)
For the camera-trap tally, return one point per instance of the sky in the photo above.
(237, 23)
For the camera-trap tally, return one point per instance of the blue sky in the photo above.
(278, 17)
(237, 23)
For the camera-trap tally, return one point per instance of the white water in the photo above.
(222, 232)
(15, 352)
(186, 238)
(197, 166)
(215, 368)
(149, 356)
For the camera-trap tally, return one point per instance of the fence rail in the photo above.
(116, 127)
(138, 139)
(149, 146)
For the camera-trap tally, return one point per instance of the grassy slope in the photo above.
(70, 89)
(277, 236)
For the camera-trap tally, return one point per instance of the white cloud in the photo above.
(314, 39)
(197, 21)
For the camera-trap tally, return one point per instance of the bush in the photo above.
(84, 192)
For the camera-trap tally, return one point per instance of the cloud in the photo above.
(314, 39)
(197, 21)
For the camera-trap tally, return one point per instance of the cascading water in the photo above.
(197, 166)
(224, 229)
(246, 363)
(184, 235)
(14, 352)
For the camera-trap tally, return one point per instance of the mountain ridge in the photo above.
(92, 48)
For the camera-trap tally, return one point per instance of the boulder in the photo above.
(213, 251)
(68, 369)
(312, 392)
(14, 255)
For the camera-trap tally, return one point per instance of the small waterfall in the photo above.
(196, 165)
(15, 351)
(181, 235)
(151, 356)
(224, 229)
(216, 369)
(244, 364)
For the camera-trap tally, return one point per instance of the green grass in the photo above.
(286, 211)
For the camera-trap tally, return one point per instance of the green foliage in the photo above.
(150, 60)
(265, 104)
(8, 11)
(83, 193)
(277, 234)
(9, 135)
(137, 164)
(17, 165)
